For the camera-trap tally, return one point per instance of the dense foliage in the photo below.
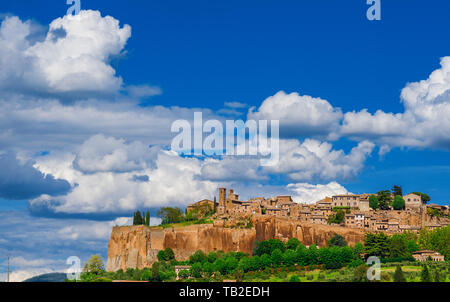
(275, 260)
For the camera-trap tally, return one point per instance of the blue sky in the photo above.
(79, 143)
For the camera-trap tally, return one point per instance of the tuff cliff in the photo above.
(137, 246)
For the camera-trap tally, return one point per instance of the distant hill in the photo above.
(52, 277)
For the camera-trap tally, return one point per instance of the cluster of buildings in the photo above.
(358, 213)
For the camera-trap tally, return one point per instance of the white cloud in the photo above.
(233, 169)
(107, 154)
(21, 262)
(143, 91)
(171, 180)
(424, 123)
(235, 105)
(65, 127)
(299, 115)
(308, 193)
(22, 275)
(73, 58)
(315, 160)
(42, 245)
(92, 231)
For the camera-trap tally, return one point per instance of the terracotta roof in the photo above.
(425, 251)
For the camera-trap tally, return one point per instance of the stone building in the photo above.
(413, 202)
(202, 205)
(346, 200)
(425, 255)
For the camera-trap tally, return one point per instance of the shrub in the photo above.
(294, 278)
(102, 279)
(385, 277)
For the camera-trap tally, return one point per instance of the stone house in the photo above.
(318, 219)
(424, 255)
(413, 202)
(346, 200)
(202, 205)
(355, 220)
(393, 226)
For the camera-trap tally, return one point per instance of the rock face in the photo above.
(138, 246)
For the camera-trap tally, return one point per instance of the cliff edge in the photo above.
(138, 246)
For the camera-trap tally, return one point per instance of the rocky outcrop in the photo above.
(137, 246)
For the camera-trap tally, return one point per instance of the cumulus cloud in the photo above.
(424, 123)
(23, 181)
(233, 169)
(107, 154)
(109, 186)
(299, 115)
(316, 160)
(308, 193)
(72, 60)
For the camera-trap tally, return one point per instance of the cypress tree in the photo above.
(138, 218)
(436, 276)
(147, 218)
(398, 275)
(425, 275)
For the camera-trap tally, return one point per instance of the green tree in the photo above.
(147, 218)
(337, 240)
(146, 275)
(244, 264)
(373, 202)
(276, 257)
(398, 247)
(436, 276)
(337, 218)
(161, 256)
(397, 191)
(230, 264)
(399, 203)
(155, 272)
(292, 244)
(425, 274)
(238, 275)
(198, 256)
(358, 249)
(436, 240)
(95, 265)
(169, 254)
(208, 268)
(268, 246)
(360, 274)
(170, 215)
(184, 274)
(294, 278)
(265, 260)
(384, 199)
(196, 270)
(377, 245)
(399, 276)
(138, 219)
(212, 256)
(289, 257)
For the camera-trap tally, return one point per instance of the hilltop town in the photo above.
(353, 211)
